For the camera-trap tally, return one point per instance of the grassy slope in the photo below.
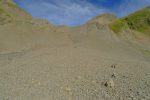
(12, 6)
(137, 21)
(2, 11)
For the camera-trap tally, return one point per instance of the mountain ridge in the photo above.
(10, 5)
(105, 18)
(138, 21)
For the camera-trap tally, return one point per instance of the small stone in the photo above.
(121, 98)
(131, 97)
(67, 89)
(106, 96)
(113, 66)
(79, 77)
(109, 83)
(130, 89)
(139, 92)
(106, 84)
(93, 81)
(113, 75)
(146, 97)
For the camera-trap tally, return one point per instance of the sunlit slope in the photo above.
(19, 31)
(138, 21)
(9, 8)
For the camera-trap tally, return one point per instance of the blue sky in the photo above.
(78, 12)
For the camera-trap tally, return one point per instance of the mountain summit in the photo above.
(104, 18)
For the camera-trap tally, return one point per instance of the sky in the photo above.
(78, 12)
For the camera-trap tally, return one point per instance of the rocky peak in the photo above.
(104, 18)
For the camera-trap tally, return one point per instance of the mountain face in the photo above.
(104, 19)
(105, 59)
(9, 9)
(138, 21)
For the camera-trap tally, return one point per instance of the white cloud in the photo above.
(68, 12)
(77, 12)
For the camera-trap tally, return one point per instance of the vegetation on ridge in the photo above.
(16, 7)
(11, 5)
(2, 11)
(139, 21)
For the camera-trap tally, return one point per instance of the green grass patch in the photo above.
(139, 21)
(3, 13)
(146, 53)
(118, 25)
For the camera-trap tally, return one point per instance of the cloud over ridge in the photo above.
(78, 12)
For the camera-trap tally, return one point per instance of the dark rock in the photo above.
(113, 75)
(113, 66)
(109, 83)
(148, 21)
